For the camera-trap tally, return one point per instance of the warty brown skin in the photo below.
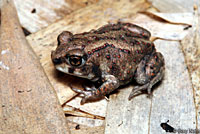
(115, 54)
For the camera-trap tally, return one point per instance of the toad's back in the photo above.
(115, 49)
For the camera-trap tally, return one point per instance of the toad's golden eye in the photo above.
(76, 60)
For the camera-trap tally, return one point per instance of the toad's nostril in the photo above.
(57, 61)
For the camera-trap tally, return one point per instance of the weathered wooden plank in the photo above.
(28, 103)
(173, 100)
(127, 117)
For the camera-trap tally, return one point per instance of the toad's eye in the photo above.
(76, 60)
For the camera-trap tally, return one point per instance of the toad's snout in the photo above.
(55, 60)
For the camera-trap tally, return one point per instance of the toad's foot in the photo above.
(89, 94)
(141, 88)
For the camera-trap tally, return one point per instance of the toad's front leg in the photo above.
(110, 84)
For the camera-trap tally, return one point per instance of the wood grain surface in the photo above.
(28, 103)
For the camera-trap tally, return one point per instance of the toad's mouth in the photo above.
(74, 71)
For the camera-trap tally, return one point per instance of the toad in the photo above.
(114, 54)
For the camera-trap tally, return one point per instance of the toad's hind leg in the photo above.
(149, 72)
